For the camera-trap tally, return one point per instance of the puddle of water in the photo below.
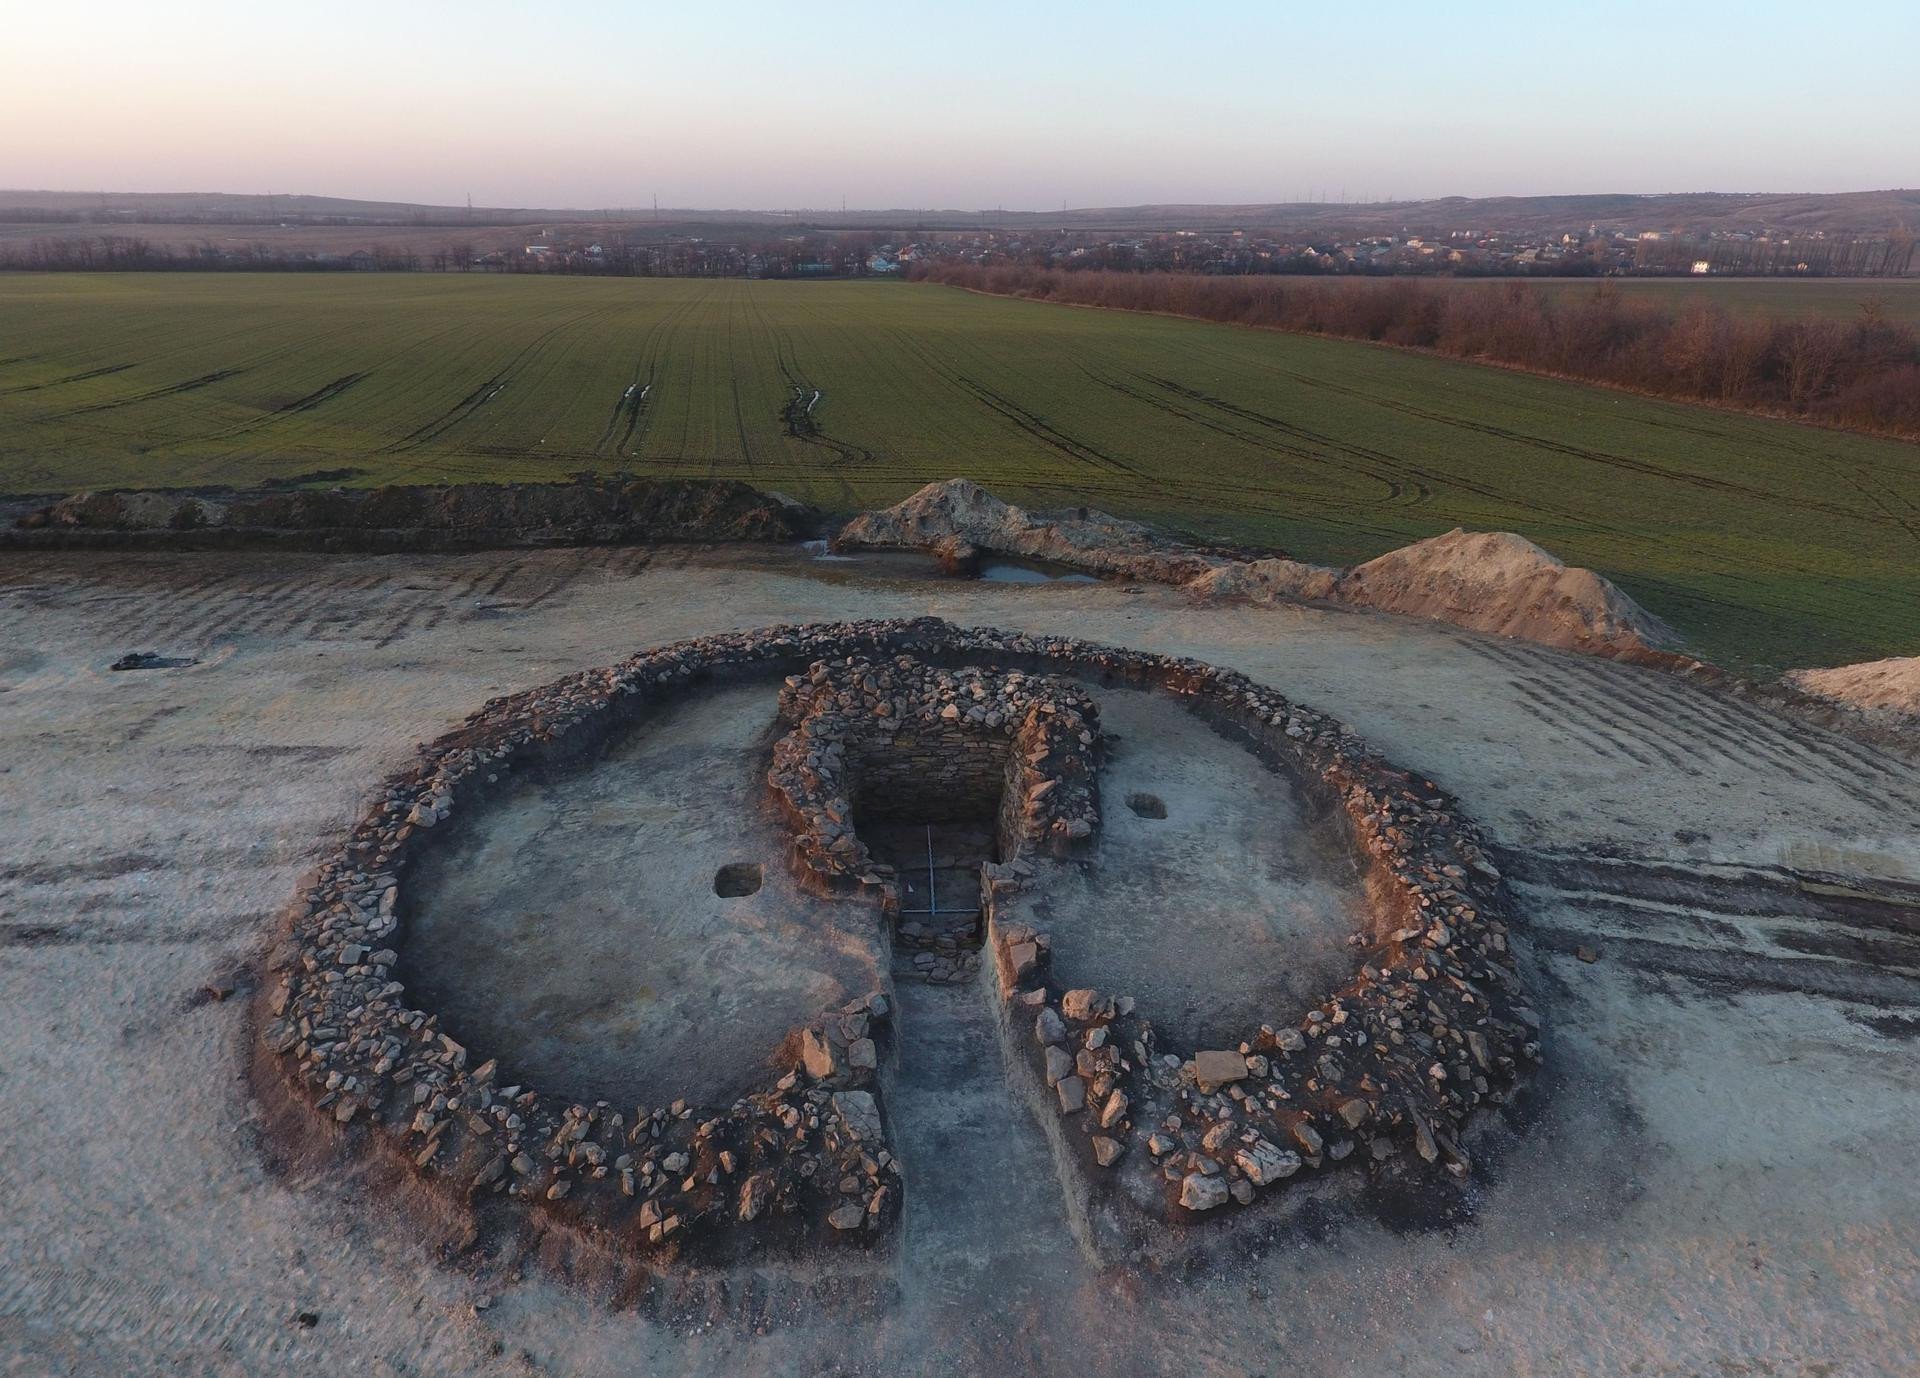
(920, 564)
(1021, 572)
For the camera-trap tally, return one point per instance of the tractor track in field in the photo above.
(103, 372)
(797, 415)
(1029, 422)
(472, 402)
(1196, 491)
(310, 401)
(740, 423)
(1413, 471)
(251, 364)
(1644, 468)
(1038, 427)
(1884, 500)
(1395, 488)
(633, 407)
(1724, 926)
(1747, 579)
(628, 408)
(323, 394)
(205, 380)
(690, 373)
(1626, 710)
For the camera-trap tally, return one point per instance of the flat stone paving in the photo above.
(574, 930)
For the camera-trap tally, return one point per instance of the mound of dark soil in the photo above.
(590, 511)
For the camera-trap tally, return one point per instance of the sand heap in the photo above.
(1495, 581)
(1488, 581)
(1886, 690)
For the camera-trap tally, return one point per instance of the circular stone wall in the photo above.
(1430, 1023)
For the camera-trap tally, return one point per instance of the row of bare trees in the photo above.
(128, 253)
(1862, 373)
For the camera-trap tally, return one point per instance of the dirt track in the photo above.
(1715, 1183)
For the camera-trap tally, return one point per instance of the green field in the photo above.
(1769, 544)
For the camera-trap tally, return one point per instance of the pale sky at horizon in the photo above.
(764, 106)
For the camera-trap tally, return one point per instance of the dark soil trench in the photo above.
(983, 1199)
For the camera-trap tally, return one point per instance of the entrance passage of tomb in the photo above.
(932, 805)
(938, 866)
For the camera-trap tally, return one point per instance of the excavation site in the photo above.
(789, 955)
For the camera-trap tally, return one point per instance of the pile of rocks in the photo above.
(1434, 1025)
(960, 523)
(928, 742)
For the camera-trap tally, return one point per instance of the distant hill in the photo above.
(1854, 212)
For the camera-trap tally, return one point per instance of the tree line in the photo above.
(1862, 373)
(785, 255)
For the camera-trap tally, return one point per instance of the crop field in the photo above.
(1769, 544)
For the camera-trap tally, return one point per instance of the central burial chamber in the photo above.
(905, 778)
(933, 800)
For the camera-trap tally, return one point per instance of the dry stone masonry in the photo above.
(1434, 1024)
(904, 738)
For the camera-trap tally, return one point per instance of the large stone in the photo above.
(1200, 1192)
(1264, 1162)
(754, 1193)
(1073, 1095)
(816, 1055)
(1215, 1069)
(1085, 1004)
(858, 1112)
(1059, 1065)
(848, 1217)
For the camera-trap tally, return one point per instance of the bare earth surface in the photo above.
(575, 933)
(1232, 911)
(1716, 1182)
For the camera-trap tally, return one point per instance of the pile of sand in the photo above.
(1488, 581)
(1885, 690)
(1495, 581)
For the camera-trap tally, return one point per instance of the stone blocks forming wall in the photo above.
(1434, 1024)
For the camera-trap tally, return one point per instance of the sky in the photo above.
(987, 104)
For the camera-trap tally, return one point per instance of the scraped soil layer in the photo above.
(1720, 904)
